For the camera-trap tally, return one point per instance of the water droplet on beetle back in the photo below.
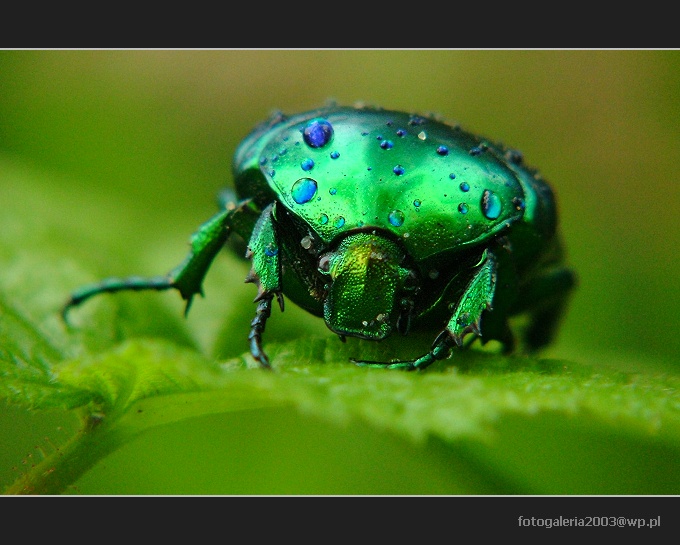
(491, 205)
(317, 133)
(304, 190)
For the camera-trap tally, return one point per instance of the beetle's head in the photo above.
(365, 288)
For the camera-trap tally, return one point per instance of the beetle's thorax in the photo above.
(366, 282)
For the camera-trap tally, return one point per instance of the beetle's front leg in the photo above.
(466, 318)
(187, 277)
(265, 272)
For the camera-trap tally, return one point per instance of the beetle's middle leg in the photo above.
(265, 272)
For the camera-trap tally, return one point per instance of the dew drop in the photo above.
(416, 203)
(396, 218)
(401, 132)
(463, 208)
(306, 242)
(519, 203)
(335, 154)
(323, 219)
(317, 133)
(304, 190)
(339, 221)
(442, 150)
(491, 205)
(452, 176)
(422, 135)
(386, 144)
(398, 170)
(307, 165)
(464, 187)
(271, 250)
(332, 191)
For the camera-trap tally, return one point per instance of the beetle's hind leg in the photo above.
(545, 300)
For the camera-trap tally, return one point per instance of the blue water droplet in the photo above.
(332, 191)
(398, 170)
(452, 176)
(491, 205)
(335, 154)
(263, 161)
(271, 250)
(463, 208)
(272, 172)
(307, 165)
(401, 132)
(339, 221)
(519, 203)
(303, 190)
(386, 144)
(442, 150)
(396, 218)
(323, 219)
(464, 187)
(317, 133)
(416, 203)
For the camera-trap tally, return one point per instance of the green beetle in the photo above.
(382, 221)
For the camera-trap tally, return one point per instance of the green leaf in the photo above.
(161, 409)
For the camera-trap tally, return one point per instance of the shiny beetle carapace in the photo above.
(379, 222)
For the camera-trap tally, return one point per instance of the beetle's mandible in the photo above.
(382, 221)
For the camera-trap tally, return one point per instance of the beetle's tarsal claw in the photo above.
(188, 305)
(257, 326)
(64, 312)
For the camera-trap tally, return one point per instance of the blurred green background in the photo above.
(152, 133)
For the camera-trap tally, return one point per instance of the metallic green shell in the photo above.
(428, 183)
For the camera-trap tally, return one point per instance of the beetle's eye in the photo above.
(325, 264)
